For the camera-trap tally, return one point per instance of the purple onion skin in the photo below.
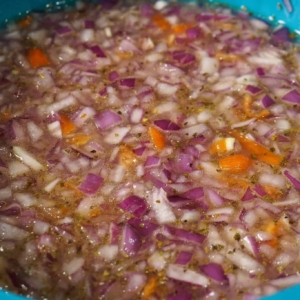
(214, 271)
(91, 184)
(135, 205)
(131, 241)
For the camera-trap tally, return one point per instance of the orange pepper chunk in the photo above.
(277, 229)
(272, 191)
(25, 22)
(218, 147)
(95, 212)
(66, 125)
(261, 152)
(126, 156)
(247, 103)
(157, 138)
(125, 54)
(161, 22)
(222, 145)
(227, 57)
(5, 115)
(234, 182)
(37, 58)
(238, 163)
(80, 140)
(181, 28)
(149, 288)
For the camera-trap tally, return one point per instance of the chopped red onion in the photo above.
(253, 89)
(128, 46)
(267, 101)
(89, 24)
(164, 210)
(113, 75)
(143, 227)
(293, 96)
(194, 193)
(193, 33)
(281, 35)
(13, 209)
(178, 201)
(131, 241)
(253, 244)
(183, 58)
(166, 125)
(215, 271)
(292, 179)
(183, 235)
(260, 72)
(139, 151)
(152, 161)
(135, 205)
(215, 198)
(259, 190)
(186, 275)
(91, 184)
(183, 163)
(114, 233)
(103, 92)
(183, 258)
(248, 195)
(127, 82)
(146, 9)
(98, 51)
(106, 119)
(2, 164)
(63, 30)
(283, 139)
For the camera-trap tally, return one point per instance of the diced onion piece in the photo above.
(134, 204)
(106, 119)
(40, 227)
(55, 129)
(51, 185)
(27, 158)
(243, 123)
(193, 131)
(116, 135)
(214, 271)
(131, 241)
(159, 204)
(136, 115)
(182, 274)
(273, 180)
(157, 261)
(25, 199)
(209, 65)
(10, 232)
(244, 261)
(87, 35)
(35, 132)
(16, 168)
(286, 281)
(84, 115)
(5, 193)
(64, 103)
(166, 89)
(72, 266)
(108, 252)
(91, 184)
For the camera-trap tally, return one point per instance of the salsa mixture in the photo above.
(148, 152)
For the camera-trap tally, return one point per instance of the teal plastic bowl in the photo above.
(273, 11)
